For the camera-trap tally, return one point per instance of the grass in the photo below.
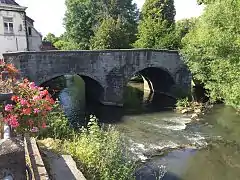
(100, 153)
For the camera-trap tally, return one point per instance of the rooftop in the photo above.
(9, 2)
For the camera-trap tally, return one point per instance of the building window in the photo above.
(29, 31)
(8, 25)
(20, 28)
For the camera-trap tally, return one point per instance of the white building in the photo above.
(17, 32)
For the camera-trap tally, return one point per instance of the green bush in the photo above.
(58, 126)
(183, 103)
(100, 153)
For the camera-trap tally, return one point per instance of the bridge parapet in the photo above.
(112, 69)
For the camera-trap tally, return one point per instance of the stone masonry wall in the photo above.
(111, 68)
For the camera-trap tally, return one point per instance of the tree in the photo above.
(182, 28)
(79, 21)
(84, 17)
(211, 50)
(66, 45)
(163, 10)
(51, 38)
(205, 1)
(156, 28)
(110, 35)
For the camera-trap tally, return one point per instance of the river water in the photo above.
(171, 145)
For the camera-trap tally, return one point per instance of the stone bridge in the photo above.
(109, 71)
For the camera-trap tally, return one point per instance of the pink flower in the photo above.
(43, 93)
(34, 130)
(44, 125)
(22, 85)
(32, 85)
(6, 120)
(23, 102)
(35, 98)
(26, 111)
(48, 108)
(50, 100)
(8, 107)
(36, 110)
(15, 98)
(12, 121)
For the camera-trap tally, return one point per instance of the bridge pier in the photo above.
(147, 85)
(113, 96)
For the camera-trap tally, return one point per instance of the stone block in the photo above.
(12, 158)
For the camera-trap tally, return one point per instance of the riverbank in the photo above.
(100, 152)
(196, 109)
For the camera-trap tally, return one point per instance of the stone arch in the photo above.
(141, 69)
(159, 79)
(94, 87)
(47, 78)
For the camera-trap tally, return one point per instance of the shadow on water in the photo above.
(79, 98)
(136, 102)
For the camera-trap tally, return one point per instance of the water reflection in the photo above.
(79, 100)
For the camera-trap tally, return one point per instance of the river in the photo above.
(170, 145)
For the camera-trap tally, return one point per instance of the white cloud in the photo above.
(49, 14)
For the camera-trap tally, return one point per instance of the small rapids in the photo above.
(150, 134)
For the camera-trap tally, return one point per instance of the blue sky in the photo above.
(48, 14)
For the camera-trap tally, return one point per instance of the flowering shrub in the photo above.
(7, 76)
(30, 108)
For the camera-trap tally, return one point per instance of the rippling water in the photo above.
(150, 128)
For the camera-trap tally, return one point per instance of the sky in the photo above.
(48, 14)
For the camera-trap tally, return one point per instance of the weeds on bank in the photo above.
(183, 103)
(100, 154)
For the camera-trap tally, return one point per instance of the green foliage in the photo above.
(156, 27)
(183, 102)
(100, 153)
(62, 42)
(183, 27)
(51, 38)
(159, 9)
(205, 1)
(58, 126)
(66, 45)
(211, 50)
(79, 21)
(110, 35)
(83, 19)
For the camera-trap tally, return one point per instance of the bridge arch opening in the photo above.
(77, 93)
(150, 86)
(93, 90)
